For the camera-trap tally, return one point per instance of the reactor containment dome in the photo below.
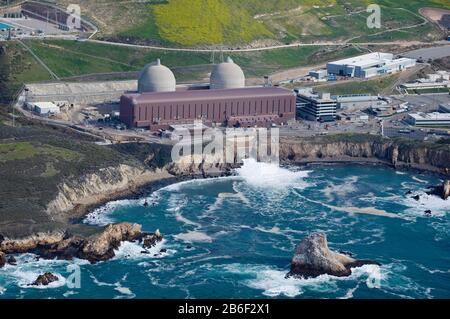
(227, 75)
(156, 77)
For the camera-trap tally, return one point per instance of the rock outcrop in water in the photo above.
(2, 259)
(150, 240)
(443, 191)
(45, 279)
(99, 247)
(446, 190)
(313, 258)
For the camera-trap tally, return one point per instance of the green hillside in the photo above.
(236, 22)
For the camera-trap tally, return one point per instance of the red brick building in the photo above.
(252, 106)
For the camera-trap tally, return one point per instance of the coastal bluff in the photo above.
(133, 167)
(398, 153)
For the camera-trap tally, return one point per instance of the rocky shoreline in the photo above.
(65, 246)
(77, 198)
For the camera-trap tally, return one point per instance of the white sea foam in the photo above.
(194, 236)
(273, 282)
(265, 175)
(341, 190)
(100, 216)
(25, 279)
(194, 182)
(419, 180)
(69, 293)
(437, 205)
(185, 220)
(132, 250)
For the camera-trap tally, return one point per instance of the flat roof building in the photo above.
(429, 119)
(369, 65)
(358, 101)
(259, 106)
(315, 106)
(44, 108)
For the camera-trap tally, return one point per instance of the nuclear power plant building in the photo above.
(159, 103)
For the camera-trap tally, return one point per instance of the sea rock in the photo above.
(442, 191)
(45, 279)
(12, 261)
(101, 247)
(313, 258)
(446, 190)
(150, 240)
(2, 259)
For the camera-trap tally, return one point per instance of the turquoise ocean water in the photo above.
(234, 237)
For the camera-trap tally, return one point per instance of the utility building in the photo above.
(315, 106)
(369, 65)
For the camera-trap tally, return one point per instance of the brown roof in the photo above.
(182, 96)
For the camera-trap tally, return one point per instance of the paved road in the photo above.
(429, 53)
(293, 45)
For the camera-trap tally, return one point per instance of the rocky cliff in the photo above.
(396, 152)
(76, 194)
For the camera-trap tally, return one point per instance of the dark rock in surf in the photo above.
(45, 279)
(2, 259)
(12, 261)
(313, 258)
(443, 191)
(150, 240)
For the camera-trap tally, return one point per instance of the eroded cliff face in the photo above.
(397, 153)
(200, 165)
(94, 188)
(111, 182)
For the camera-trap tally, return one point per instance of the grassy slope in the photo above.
(71, 58)
(234, 22)
(194, 22)
(16, 67)
(374, 86)
(34, 159)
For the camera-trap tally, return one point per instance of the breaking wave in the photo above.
(263, 175)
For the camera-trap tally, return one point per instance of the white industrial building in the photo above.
(369, 65)
(429, 119)
(44, 108)
(438, 80)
